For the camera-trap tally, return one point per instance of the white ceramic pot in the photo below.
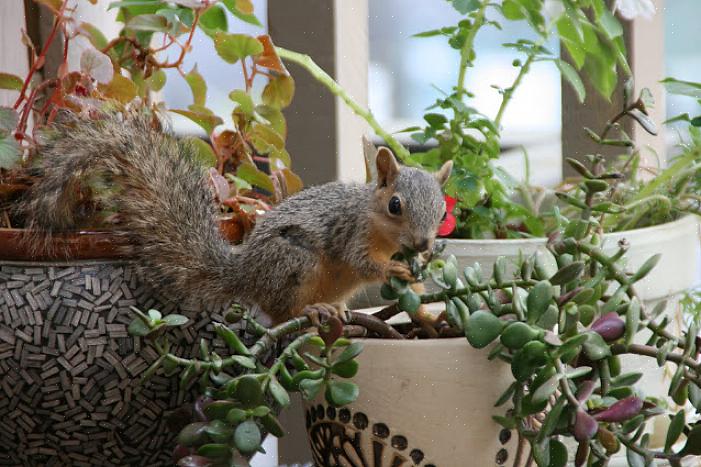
(678, 269)
(424, 403)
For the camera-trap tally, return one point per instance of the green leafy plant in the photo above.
(128, 71)
(486, 205)
(626, 192)
(487, 202)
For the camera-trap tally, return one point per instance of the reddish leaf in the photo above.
(221, 186)
(269, 58)
(610, 326)
(585, 390)
(585, 427)
(331, 330)
(622, 410)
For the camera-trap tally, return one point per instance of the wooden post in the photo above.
(645, 46)
(324, 137)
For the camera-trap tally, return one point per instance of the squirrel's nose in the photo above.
(421, 245)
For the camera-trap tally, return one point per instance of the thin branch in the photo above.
(317, 72)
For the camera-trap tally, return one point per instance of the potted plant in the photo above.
(487, 204)
(529, 364)
(69, 367)
(495, 216)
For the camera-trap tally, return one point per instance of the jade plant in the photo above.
(566, 320)
(245, 152)
(243, 391)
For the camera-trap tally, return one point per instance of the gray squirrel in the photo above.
(310, 252)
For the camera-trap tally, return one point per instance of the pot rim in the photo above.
(69, 246)
(686, 221)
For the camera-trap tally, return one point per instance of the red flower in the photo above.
(448, 224)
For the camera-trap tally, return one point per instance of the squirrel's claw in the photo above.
(322, 312)
(399, 270)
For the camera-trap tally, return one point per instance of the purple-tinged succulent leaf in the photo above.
(621, 410)
(585, 427)
(609, 326)
(180, 451)
(585, 390)
(193, 434)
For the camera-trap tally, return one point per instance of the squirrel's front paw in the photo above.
(319, 312)
(399, 270)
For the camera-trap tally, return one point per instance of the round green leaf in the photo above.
(518, 334)
(345, 369)
(279, 393)
(138, 328)
(409, 301)
(193, 434)
(481, 328)
(272, 425)
(538, 300)
(247, 437)
(249, 392)
(233, 47)
(676, 427)
(236, 416)
(340, 393)
(175, 320)
(310, 388)
(558, 454)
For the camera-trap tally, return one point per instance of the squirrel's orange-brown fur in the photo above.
(319, 245)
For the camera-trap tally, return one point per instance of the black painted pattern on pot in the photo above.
(339, 440)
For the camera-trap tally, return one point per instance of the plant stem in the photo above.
(491, 285)
(564, 384)
(509, 92)
(306, 62)
(372, 323)
(650, 351)
(292, 347)
(468, 46)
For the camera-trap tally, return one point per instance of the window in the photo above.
(404, 71)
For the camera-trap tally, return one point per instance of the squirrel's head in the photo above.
(409, 202)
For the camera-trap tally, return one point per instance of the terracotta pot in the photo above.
(424, 403)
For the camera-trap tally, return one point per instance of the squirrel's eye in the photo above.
(395, 206)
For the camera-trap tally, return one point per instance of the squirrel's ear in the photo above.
(387, 167)
(444, 173)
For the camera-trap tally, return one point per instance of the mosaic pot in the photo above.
(422, 403)
(70, 391)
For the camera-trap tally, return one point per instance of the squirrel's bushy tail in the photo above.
(160, 194)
